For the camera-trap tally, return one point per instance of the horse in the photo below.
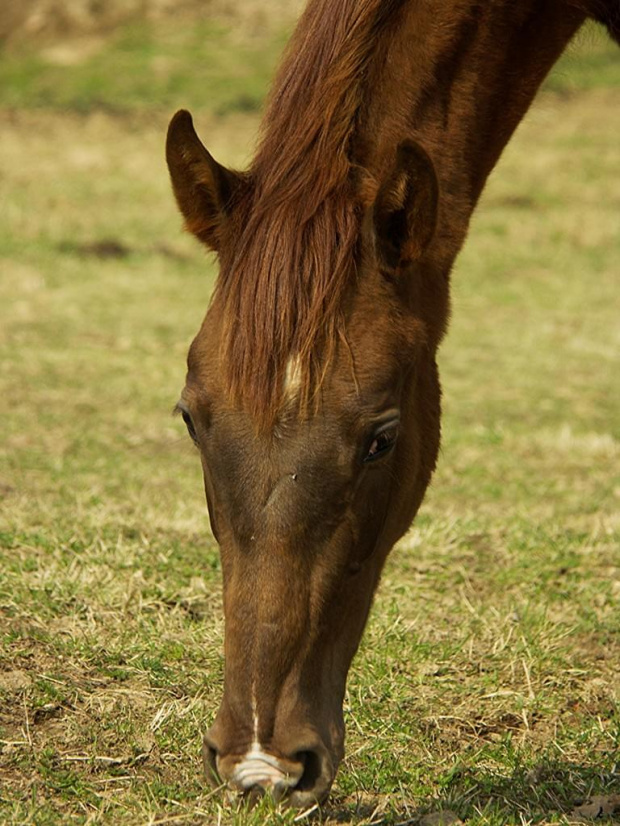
(312, 388)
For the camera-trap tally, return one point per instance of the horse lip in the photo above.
(257, 768)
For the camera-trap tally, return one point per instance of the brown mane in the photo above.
(282, 288)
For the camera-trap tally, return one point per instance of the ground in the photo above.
(487, 682)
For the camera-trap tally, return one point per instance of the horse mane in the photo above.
(282, 285)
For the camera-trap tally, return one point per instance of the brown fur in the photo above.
(384, 123)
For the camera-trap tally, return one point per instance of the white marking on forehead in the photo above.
(292, 378)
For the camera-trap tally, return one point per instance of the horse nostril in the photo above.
(209, 762)
(316, 780)
(312, 770)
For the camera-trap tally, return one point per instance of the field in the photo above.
(488, 681)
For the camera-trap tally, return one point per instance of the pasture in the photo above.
(488, 680)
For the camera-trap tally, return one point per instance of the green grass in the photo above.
(199, 65)
(487, 681)
(589, 63)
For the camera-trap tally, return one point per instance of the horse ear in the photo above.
(203, 189)
(405, 209)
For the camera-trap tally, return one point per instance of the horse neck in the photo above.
(458, 77)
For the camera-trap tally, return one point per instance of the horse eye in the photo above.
(190, 426)
(382, 443)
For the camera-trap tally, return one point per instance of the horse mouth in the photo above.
(304, 781)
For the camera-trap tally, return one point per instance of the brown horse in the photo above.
(312, 388)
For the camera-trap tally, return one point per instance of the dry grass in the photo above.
(47, 21)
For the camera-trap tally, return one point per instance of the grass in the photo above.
(487, 681)
(145, 66)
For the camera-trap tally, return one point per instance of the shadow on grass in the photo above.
(549, 790)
